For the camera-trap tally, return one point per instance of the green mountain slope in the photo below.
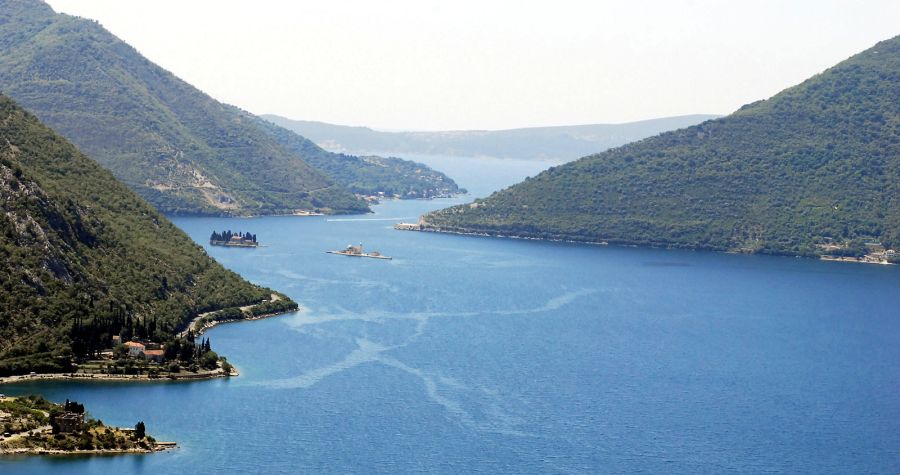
(177, 147)
(77, 245)
(561, 143)
(395, 177)
(818, 162)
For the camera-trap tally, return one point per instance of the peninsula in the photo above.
(277, 304)
(133, 353)
(812, 171)
(31, 425)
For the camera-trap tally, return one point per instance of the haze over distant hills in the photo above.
(368, 175)
(179, 148)
(77, 245)
(818, 163)
(561, 143)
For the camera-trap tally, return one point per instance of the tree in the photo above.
(186, 353)
(209, 360)
(139, 430)
(73, 406)
(54, 426)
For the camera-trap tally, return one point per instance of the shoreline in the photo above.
(192, 326)
(425, 229)
(125, 378)
(227, 244)
(74, 432)
(145, 378)
(214, 323)
(312, 214)
(27, 452)
(549, 239)
(856, 260)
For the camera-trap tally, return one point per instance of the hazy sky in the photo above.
(459, 64)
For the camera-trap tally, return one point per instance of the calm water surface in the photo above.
(492, 355)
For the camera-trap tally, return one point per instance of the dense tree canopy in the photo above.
(179, 148)
(83, 256)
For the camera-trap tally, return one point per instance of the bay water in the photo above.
(468, 354)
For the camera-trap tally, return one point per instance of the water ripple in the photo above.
(489, 412)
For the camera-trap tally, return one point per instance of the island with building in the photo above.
(357, 251)
(230, 239)
(32, 425)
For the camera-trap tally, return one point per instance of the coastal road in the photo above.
(196, 320)
(19, 435)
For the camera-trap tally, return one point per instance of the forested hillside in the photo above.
(179, 148)
(80, 251)
(816, 165)
(395, 177)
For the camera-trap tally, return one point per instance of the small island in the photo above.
(31, 425)
(230, 239)
(357, 251)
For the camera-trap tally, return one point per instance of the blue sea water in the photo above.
(468, 354)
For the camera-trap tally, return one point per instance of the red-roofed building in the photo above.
(155, 355)
(134, 348)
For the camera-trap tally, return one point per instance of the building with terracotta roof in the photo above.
(155, 355)
(135, 348)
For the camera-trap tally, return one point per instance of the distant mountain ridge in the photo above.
(368, 175)
(816, 167)
(183, 151)
(559, 143)
(78, 247)
(177, 147)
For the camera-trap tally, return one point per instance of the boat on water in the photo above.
(357, 251)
